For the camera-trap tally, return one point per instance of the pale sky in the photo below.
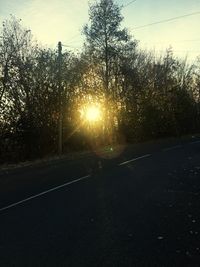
(62, 20)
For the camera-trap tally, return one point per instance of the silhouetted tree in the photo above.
(143, 95)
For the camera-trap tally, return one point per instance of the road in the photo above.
(140, 208)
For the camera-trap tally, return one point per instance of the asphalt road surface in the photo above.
(139, 208)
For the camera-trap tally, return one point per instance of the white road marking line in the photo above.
(172, 147)
(131, 160)
(44, 193)
(196, 142)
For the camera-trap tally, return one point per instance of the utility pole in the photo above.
(60, 123)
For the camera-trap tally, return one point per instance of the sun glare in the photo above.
(91, 113)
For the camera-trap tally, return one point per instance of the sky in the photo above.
(62, 20)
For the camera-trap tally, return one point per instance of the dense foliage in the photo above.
(144, 95)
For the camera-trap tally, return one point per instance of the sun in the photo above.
(91, 113)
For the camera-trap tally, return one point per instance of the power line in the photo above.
(129, 3)
(187, 40)
(166, 20)
(178, 41)
(73, 37)
(75, 48)
(78, 35)
(188, 51)
(71, 46)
